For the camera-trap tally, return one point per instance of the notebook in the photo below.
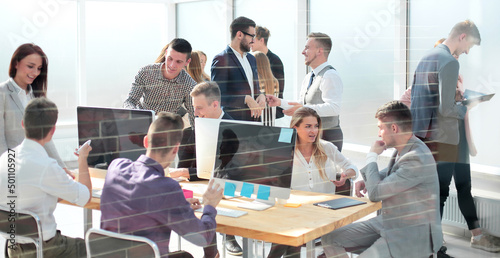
(339, 203)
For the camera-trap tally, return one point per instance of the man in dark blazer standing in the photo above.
(235, 71)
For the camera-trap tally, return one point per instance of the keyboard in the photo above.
(227, 212)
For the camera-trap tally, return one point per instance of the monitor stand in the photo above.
(258, 205)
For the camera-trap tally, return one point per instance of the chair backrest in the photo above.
(21, 226)
(106, 244)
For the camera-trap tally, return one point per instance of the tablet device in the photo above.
(478, 99)
(339, 203)
(473, 96)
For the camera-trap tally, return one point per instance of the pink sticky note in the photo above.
(187, 193)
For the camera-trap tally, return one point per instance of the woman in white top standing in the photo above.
(315, 165)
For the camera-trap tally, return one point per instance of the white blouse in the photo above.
(306, 177)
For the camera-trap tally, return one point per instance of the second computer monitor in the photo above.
(260, 156)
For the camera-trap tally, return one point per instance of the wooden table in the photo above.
(288, 226)
(278, 224)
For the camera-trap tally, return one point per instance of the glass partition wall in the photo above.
(95, 49)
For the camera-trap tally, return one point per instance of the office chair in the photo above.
(26, 225)
(106, 244)
(346, 189)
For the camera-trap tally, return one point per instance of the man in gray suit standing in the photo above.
(435, 112)
(438, 119)
(409, 224)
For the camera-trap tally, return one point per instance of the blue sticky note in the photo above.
(286, 135)
(263, 192)
(247, 190)
(229, 189)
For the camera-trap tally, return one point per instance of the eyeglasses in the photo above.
(248, 34)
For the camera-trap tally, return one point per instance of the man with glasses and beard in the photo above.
(235, 71)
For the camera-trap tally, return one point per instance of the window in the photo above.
(363, 54)
(478, 68)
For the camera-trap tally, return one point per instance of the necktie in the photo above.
(310, 81)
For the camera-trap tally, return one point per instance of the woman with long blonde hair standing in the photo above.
(194, 68)
(203, 62)
(268, 85)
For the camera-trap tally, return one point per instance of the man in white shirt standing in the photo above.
(321, 88)
(33, 181)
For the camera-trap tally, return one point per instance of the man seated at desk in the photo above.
(206, 99)
(409, 224)
(40, 181)
(138, 199)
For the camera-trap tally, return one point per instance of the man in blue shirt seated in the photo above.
(138, 199)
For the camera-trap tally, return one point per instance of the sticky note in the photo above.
(286, 135)
(229, 189)
(293, 205)
(263, 192)
(247, 190)
(187, 193)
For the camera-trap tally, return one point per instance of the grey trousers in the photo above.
(362, 237)
(58, 246)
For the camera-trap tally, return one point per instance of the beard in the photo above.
(308, 62)
(244, 46)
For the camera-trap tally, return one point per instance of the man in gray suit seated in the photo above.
(409, 223)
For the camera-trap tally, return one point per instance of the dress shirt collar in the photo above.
(151, 163)
(236, 53)
(319, 68)
(221, 114)
(34, 147)
(18, 89)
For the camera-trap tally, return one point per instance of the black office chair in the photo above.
(345, 189)
(26, 225)
(106, 244)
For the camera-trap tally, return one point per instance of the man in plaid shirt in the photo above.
(164, 86)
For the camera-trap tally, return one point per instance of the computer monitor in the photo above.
(115, 133)
(206, 133)
(245, 155)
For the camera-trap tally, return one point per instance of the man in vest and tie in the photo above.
(321, 88)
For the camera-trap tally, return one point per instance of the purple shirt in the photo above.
(138, 199)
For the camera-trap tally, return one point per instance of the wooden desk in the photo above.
(288, 226)
(278, 224)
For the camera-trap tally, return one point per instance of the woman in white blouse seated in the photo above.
(316, 161)
(315, 165)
